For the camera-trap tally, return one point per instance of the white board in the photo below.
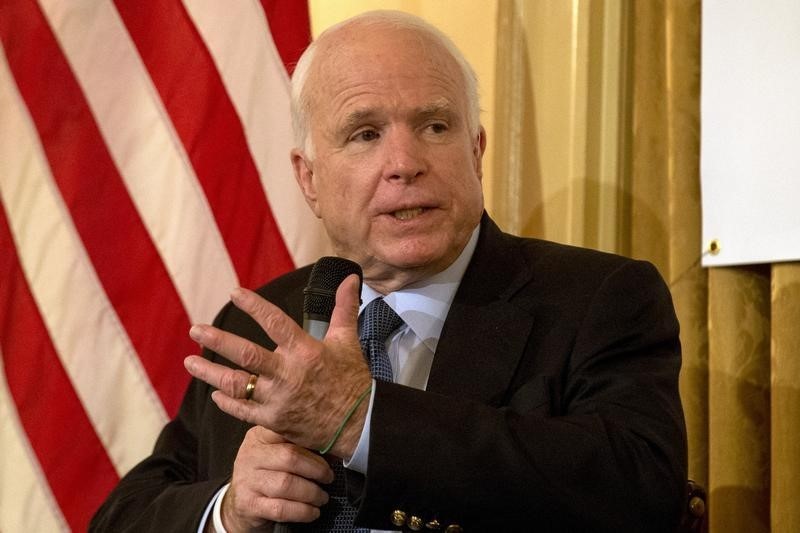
(750, 141)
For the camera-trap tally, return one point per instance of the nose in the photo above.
(405, 156)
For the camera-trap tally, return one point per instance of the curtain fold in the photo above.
(739, 398)
(785, 398)
(665, 212)
(517, 195)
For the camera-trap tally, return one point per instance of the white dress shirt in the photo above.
(423, 306)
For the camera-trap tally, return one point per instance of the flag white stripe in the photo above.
(103, 367)
(147, 151)
(238, 38)
(26, 502)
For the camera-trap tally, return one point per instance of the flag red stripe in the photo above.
(204, 117)
(289, 24)
(71, 456)
(116, 239)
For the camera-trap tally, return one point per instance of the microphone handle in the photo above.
(316, 328)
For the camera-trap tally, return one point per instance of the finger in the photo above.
(278, 510)
(264, 436)
(243, 352)
(268, 450)
(268, 438)
(291, 487)
(228, 380)
(244, 410)
(345, 313)
(294, 459)
(278, 325)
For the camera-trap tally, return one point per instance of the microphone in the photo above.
(320, 294)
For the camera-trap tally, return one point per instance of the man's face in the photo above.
(395, 175)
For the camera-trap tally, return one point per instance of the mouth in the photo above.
(408, 214)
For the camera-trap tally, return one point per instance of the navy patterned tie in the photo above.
(375, 324)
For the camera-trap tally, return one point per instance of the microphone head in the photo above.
(326, 276)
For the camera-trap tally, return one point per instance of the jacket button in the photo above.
(415, 523)
(398, 517)
(433, 524)
(453, 528)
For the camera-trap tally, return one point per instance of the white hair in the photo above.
(300, 101)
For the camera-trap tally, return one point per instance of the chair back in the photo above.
(695, 518)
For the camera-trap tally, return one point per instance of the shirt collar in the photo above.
(424, 305)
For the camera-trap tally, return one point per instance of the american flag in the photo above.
(144, 173)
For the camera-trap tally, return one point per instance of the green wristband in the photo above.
(347, 416)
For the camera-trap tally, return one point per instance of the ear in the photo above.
(304, 175)
(478, 149)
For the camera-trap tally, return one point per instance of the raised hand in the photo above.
(305, 388)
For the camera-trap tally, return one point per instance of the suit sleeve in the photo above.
(194, 454)
(163, 492)
(167, 491)
(595, 442)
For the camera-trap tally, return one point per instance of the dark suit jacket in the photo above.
(552, 405)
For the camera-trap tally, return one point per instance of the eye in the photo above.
(438, 127)
(365, 135)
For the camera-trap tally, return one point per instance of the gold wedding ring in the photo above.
(251, 386)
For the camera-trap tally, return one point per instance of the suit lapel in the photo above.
(485, 334)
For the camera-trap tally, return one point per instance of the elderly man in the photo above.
(532, 386)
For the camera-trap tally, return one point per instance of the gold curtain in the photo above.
(741, 372)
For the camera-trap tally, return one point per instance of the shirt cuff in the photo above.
(214, 509)
(360, 458)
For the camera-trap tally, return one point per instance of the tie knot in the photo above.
(378, 321)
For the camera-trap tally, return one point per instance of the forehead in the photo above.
(381, 66)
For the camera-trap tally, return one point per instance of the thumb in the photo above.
(264, 435)
(345, 313)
